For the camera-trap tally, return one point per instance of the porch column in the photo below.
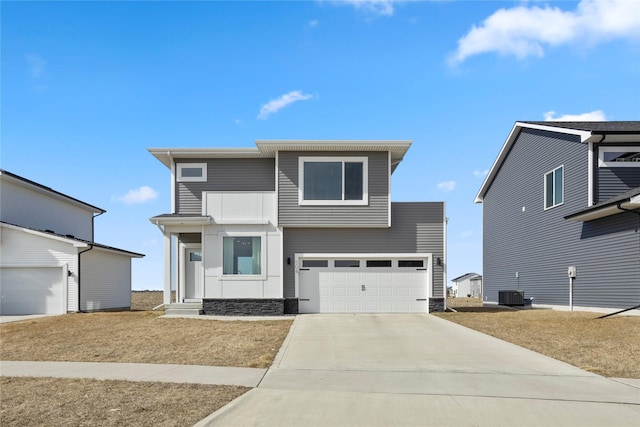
(167, 268)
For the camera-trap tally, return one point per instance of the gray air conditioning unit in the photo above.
(511, 297)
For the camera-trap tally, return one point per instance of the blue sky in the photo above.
(87, 87)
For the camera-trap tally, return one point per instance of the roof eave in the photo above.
(613, 209)
(585, 136)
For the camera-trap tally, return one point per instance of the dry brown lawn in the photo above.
(144, 337)
(608, 347)
(136, 337)
(83, 402)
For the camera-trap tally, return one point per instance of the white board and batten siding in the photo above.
(38, 257)
(28, 208)
(106, 280)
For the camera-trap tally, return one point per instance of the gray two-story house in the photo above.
(561, 215)
(298, 227)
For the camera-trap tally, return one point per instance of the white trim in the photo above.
(182, 274)
(608, 149)
(511, 139)
(277, 172)
(173, 184)
(428, 257)
(263, 255)
(389, 189)
(202, 166)
(590, 186)
(73, 242)
(552, 171)
(336, 159)
(444, 255)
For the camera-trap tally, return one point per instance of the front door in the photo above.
(193, 273)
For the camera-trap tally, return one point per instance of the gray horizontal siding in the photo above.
(376, 213)
(615, 181)
(224, 175)
(416, 227)
(540, 245)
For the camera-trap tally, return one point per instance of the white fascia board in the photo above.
(397, 148)
(585, 136)
(199, 220)
(53, 194)
(635, 201)
(498, 161)
(364, 255)
(75, 243)
(166, 155)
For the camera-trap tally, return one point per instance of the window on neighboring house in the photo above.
(193, 172)
(242, 255)
(333, 180)
(616, 157)
(554, 188)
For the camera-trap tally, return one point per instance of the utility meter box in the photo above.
(572, 271)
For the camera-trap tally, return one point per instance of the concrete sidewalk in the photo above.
(248, 377)
(419, 370)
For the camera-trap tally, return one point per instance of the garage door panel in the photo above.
(32, 290)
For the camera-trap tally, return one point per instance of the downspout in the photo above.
(93, 225)
(79, 276)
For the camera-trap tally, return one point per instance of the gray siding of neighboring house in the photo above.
(416, 227)
(540, 245)
(615, 181)
(376, 213)
(224, 175)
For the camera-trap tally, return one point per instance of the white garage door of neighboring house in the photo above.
(390, 285)
(32, 290)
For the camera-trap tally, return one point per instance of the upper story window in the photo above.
(554, 188)
(194, 172)
(333, 181)
(616, 157)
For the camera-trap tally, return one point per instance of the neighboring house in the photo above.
(469, 284)
(565, 196)
(50, 263)
(299, 227)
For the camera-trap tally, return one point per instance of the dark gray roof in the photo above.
(466, 276)
(607, 127)
(609, 202)
(49, 189)
(180, 216)
(70, 237)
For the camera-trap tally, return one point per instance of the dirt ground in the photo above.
(608, 347)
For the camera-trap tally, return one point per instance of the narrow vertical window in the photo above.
(554, 188)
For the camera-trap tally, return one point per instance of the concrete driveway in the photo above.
(419, 370)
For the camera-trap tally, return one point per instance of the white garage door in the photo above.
(393, 285)
(32, 290)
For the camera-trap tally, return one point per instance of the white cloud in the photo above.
(446, 185)
(139, 195)
(593, 116)
(313, 23)
(277, 104)
(371, 7)
(36, 65)
(527, 30)
(480, 173)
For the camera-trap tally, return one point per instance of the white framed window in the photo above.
(554, 188)
(243, 256)
(191, 172)
(619, 157)
(333, 180)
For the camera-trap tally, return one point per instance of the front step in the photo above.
(183, 309)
